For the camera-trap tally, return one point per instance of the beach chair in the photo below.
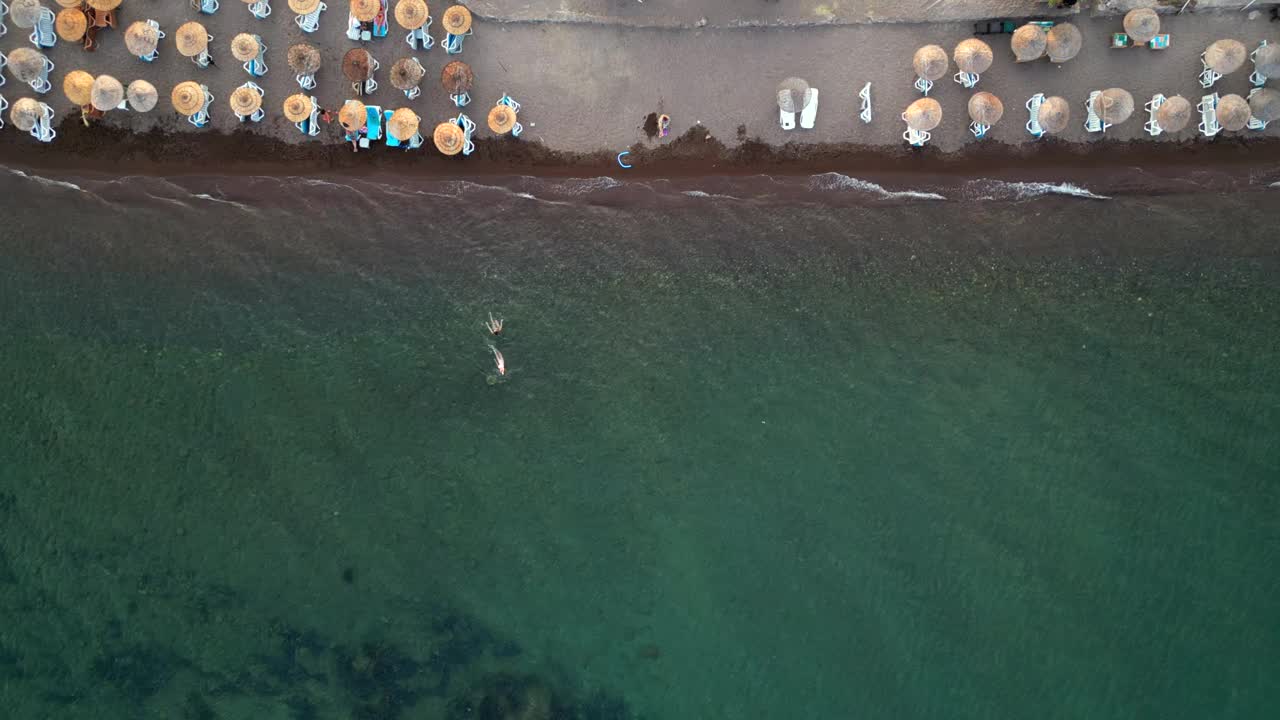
(468, 130)
(260, 9)
(356, 32)
(310, 22)
(865, 95)
(515, 108)
(380, 24)
(916, 138)
(206, 7)
(810, 112)
(1208, 108)
(924, 86)
(306, 82)
(43, 34)
(453, 43)
(1093, 123)
(461, 100)
(1208, 76)
(4, 105)
(259, 113)
(786, 119)
(257, 67)
(154, 53)
(311, 126)
(370, 86)
(1256, 78)
(1255, 123)
(41, 84)
(1159, 42)
(3, 61)
(978, 129)
(967, 79)
(204, 59)
(4, 30)
(1152, 127)
(1033, 107)
(201, 118)
(421, 37)
(43, 130)
(412, 143)
(373, 125)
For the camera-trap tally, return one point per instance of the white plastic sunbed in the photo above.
(1255, 123)
(1033, 107)
(43, 130)
(421, 37)
(1092, 122)
(917, 138)
(810, 111)
(978, 129)
(201, 118)
(208, 7)
(3, 61)
(4, 10)
(1256, 78)
(1152, 127)
(260, 9)
(786, 119)
(865, 94)
(43, 35)
(306, 82)
(4, 105)
(311, 126)
(41, 84)
(924, 86)
(967, 79)
(1208, 107)
(1208, 76)
(310, 22)
(257, 67)
(259, 113)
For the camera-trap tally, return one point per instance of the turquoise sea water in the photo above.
(878, 462)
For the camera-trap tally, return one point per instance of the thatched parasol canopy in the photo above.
(78, 87)
(187, 98)
(245, 100)
(25, 113)
(25, 64)
(1055, 113)
(1114, 106)
(107, 93)
(103, 5)
(1141, 24)
(403, 124)
(304, 58)
(357, 64)
(70, 24)
(924, 114)
(191, 39)
(353, 115)
(985, 108)
(24, 13)
(244, 47)
(1267, 61)
(1174, 115)
(365, 10)
(141, 39)
(793, 94)
(456, 20)
(930, 62)
(1233, 112)
(1225, 56)
(973, 56)
(411, 14)
(1265, 105)
(448, 138)
(406, 73)
(1063, 42)
(70, 3)
(298, 107)
(142, 96)
(457, 78)
(1028, 43)
(502, 119)
(304, 7)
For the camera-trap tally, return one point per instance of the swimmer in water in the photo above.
(499, 361)
(495, 326)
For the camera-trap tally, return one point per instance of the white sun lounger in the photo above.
(515, 107)
(208, 7)
(201, 118)
(41, 84)
(917, 138)
(967, 79)
(311, 126)
(1208, 76)
(978, 129)
(452, 44)
(1092, 122)
(421, 37)
(1152, 127)
(4, 10)
(306, 82)
(159, 36)
(1256, 78)
(865, 94)
(1255, 123)
(4, 105)
(257, 67)
(43, 130)
(786, 119)
(260, 9)
(310, 22)
(810, 112)
(1033, 107)
(3, 61)
(354, 32)
(468, 130)
(43, 35)
(924, 86)
(461, 99)
(1208, 107)
(259, 113)
(370, 86)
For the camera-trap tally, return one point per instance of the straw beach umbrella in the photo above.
(502, 119)
(1141, 24)
(298, 107)
(357, 65)
(1267, 61)
(1055, 113)
(411, 14)
(985, 108)
(793, 95)
(1174, 115)
(142, 96)
(1028, 43)
(25, 64)
(1225, 56)
(403, 124)
(406, 73)
(930, 62)
(448, 138)
(107, 93)
(25, 113)
(456, 78)
(70, 3)
(187, 98)
(365, 10)
(245, 101)
(244, 47)
(141, 39)
(1265, 105)
(1233, 112)
(304, 58)
(191, 39)
(924, 114)
(103, 5)
(1063, 42)
(71, 24)
(457, 20)
(78, 86)
(973, 56)
(303, 7)
(24, 13)
(1114, 106)
(353, 115)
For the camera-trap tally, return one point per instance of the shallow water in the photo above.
(832, 451)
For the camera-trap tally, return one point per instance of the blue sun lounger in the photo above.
(207, 7)
(373, 125)
(412, 143)
(43, 35)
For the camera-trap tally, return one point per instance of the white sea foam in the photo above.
(1001, 190)
(582, 186)
(834, 181)
(47, 181)
(702, 194)
(210, 198)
